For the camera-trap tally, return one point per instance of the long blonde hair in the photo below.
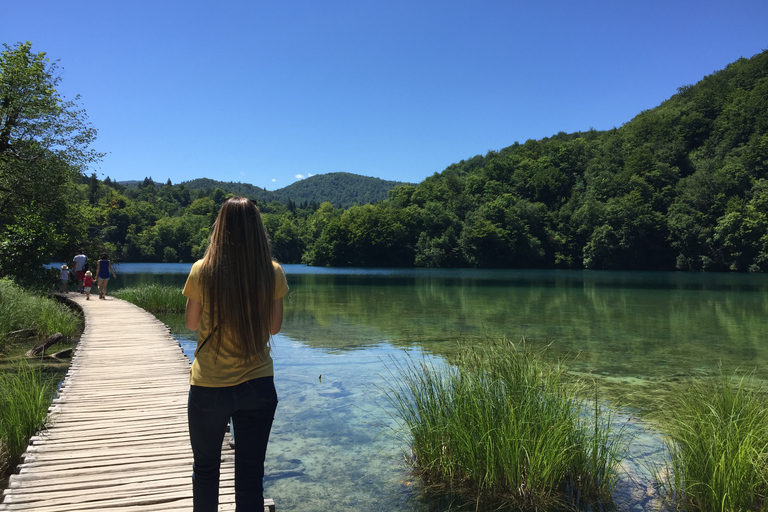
(238, 280)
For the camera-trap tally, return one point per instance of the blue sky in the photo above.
(270, 92)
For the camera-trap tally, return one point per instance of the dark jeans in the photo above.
(252, 406)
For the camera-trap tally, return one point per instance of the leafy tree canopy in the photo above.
(681, 186)
(342, 189)
(44, 146)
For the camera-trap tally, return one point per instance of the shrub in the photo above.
(718, 445)
(155, 298)
(501, 425)
(25, 395)
(21, 309)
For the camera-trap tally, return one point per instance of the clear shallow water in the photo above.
(638, 334)
(332, 444)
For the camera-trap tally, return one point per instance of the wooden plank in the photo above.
(117, 438)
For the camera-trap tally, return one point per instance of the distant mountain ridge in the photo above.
(342, 189)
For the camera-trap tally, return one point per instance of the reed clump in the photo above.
(154, 298)
(25, 395)
(718, 445)
(22, 310)
(501, 426)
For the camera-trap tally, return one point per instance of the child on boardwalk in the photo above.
(64, 277)
(87, 283)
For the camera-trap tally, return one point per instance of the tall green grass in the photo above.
(718, 445)
(21, 309)
(25, 395)
(155, 298)
(500, 426)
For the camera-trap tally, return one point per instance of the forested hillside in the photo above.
(681, 186)
(341, 189)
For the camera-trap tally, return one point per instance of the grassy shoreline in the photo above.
(27, 386)
(27, 391)
(718, 444)
(154, 298)
(499, 427)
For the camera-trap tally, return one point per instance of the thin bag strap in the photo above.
(205, 340)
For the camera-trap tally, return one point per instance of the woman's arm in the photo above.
(277, 316)
(194, 311)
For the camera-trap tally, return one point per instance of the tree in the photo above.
(44, 148)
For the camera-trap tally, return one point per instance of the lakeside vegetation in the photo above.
(154, 298)
(27, 385)
(26, 391)
(25, 314)
(502, 428)
(718, 445)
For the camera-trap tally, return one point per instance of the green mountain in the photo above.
(342, 189)
(681, 186)
(241, 189)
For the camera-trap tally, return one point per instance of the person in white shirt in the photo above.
(80, 260)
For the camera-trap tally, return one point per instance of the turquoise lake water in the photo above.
(335, 444)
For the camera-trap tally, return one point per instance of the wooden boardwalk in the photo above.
(118, 436)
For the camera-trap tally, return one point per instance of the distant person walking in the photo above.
(64, 278)
(104, 270)
(87, 284)
(80, 260)
(235, 302)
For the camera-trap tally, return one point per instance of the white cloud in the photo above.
(273, 180)
(299, 176)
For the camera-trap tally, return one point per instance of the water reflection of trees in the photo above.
(647, 331)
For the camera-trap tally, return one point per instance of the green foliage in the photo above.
(681, 186)
(239, 189)
(341, 189)
(154, 298)
(718, 445)
(366, 235)
(502, 426)
(25, 395)
(20, 309)
(26, 391)
(44, 146)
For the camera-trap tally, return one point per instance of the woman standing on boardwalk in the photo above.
(104, 269)
(235, 302)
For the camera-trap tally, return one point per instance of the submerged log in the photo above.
(52, 339)
(67, 352)
(23, 333)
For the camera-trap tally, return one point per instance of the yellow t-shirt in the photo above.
(228, 369)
